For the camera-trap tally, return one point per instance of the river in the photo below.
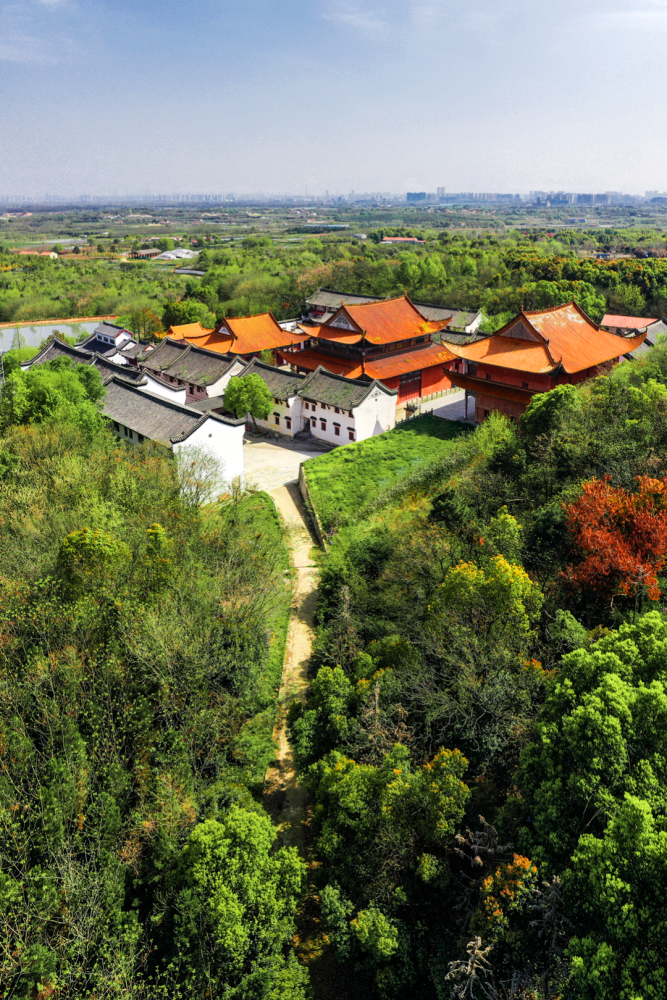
(35, 334)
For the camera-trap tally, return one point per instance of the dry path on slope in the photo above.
(284, 795)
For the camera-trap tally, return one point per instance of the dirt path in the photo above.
(284, 796)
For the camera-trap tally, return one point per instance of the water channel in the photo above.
(36, 333)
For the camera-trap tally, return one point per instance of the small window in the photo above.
(306, 406)
(288, 423)
(140, 438)
(350, 434)
(276, 419)
(525, 385)
(336, 410)
(314, 422)
(323, 424)
(115, 425)
(337, 430)
(487, 375)
(486, 413)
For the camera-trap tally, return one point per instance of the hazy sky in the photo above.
(156, 96)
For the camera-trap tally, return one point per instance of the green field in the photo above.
(344, 481)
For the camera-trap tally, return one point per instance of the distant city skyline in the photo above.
(165, 96)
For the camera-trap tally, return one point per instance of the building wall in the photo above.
(486, 404)
(435, 379)
(223, 441)
(218, 388)
(375, 415)
(285, 410)
(155, 388)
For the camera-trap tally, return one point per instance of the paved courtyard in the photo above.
(452, 407)
(270, 464)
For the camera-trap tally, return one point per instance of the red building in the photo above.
(535, 352)
(389, 340)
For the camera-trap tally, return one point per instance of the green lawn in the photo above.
(345, 480)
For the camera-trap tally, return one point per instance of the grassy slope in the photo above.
(343, 481)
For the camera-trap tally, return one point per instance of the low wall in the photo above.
(303, 489)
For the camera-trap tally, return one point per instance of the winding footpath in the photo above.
(283, 793)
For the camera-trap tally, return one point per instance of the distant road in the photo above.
(38, 322)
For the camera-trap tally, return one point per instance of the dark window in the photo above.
(276, 417)
(350, 433)
(336, 410)
(115, 425)
(288, 422)
(487, 375)
(313, 421)
(140, 438)
(486, 413)
(323, 424)
(472, 368)
(525, 385)
(337, 430)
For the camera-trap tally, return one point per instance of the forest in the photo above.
(484, 740)
(141, 649)
(496, 273)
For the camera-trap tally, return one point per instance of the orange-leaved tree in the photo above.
(622, 537)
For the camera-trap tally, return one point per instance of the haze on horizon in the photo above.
(119, 97)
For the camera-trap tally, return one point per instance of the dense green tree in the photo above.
(248, 394)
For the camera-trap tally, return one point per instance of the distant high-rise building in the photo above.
(416, 196)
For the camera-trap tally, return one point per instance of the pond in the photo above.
(36, 333)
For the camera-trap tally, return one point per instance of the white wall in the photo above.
(292, 408)
(375, 415)
(218, 388)
(223, 441)
(155, 388)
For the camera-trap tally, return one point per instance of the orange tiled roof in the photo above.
(628, 322)
(544, 340)
(187, 331)
(409, 361)
(379, 368)
(311, 360)
(382, 322)
(256, 333)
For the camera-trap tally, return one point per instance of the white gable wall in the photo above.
(223, 441)
(155, 388)
(375, 415)
(218, 388)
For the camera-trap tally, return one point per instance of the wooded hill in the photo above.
(141, 647)
(485, 741)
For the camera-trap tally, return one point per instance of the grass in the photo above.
(343, 481)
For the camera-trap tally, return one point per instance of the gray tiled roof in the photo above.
(155, 418)
(323, 386)
(106, 329)
(58, 349)
(208, 405)
(330, 298)
(164, 354)
(131, 350)
(200, 366)
(448, 336)
(281, 382)
(109, 370)
(187, 362)
(97, 346)
(459, 319)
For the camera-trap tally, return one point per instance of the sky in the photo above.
(307, 96)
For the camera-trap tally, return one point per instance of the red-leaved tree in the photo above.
(622, 537)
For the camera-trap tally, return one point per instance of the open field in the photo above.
(344, 480)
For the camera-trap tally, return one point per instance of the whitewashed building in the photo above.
(202, 373)
(341, 409)
(135, 416)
